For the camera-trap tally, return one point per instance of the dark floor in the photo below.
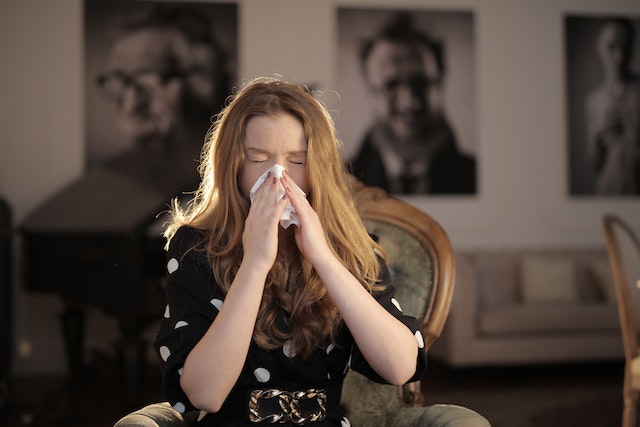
(585, 395)
(97, 398)
(568, 395)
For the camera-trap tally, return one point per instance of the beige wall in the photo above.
(521, 132)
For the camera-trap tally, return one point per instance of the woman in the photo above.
(613, 113)
(264, 321)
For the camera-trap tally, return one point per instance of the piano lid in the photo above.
(101, 201)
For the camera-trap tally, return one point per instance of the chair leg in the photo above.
(630, 402)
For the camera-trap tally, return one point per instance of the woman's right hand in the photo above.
(260, 237)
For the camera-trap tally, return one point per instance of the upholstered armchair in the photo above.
(422, 265)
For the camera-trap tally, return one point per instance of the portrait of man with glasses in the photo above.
(409, 145)
(158, 73)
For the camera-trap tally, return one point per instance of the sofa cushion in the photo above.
(587, 317)
(547, 279)
(496, 277)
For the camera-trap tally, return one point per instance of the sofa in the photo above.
(531, 306)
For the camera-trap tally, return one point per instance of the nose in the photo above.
(407, 100)
(132, 98)
(279, 159)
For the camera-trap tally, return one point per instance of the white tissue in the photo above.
(289, 215)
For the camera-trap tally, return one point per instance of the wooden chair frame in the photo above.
(375, 204)
(613, 225)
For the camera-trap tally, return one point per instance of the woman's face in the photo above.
(613, 47)
(271, 140)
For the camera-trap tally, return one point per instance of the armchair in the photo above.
(423, 267)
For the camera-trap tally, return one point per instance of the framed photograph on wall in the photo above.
(603, 104)
(407, 99)
(156, 72)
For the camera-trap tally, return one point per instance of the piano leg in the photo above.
(131, 348)
(73, 326)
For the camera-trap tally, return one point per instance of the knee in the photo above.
(154, 415)
(444, 415)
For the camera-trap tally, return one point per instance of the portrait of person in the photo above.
(156, 74)
(603, 83)
(407, 116)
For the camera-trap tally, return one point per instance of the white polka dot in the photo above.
(345, 422)
(347, 366)
(180, 324)
(180, 371)
(167, 312)
(262, 375)
(396, 303)
(172, 265)
(165, 352)
(288, 349)
(179, 406)
(329, 376)
(330, 348)
(419, 339)
(217, 303)
(201, 415)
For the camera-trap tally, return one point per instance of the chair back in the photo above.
(623, 248)
(422, 266)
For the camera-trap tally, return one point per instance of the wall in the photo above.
(521, 132)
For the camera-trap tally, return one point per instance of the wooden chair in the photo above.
(422, 265)
(623, 248)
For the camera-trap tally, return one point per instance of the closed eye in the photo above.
(256, 157)
(298, 159)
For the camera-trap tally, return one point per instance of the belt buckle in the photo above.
(288, 406)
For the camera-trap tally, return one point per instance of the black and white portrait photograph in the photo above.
(603, 102)
(156, 73)
(407, 99)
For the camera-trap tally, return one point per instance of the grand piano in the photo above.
(99, 243)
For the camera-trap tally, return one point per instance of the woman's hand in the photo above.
(260, 237)
(309, 234)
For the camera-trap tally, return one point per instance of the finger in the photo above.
(259, 193)
(291, 189)
(269, 194)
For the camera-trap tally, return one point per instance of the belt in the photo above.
(279, 406)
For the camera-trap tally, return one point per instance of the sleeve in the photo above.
(386, 298)
(193, 301)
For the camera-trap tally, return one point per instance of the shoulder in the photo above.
(186, 239)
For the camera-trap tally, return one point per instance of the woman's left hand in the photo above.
(309, 234)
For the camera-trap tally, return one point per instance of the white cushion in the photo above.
(546, 279)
